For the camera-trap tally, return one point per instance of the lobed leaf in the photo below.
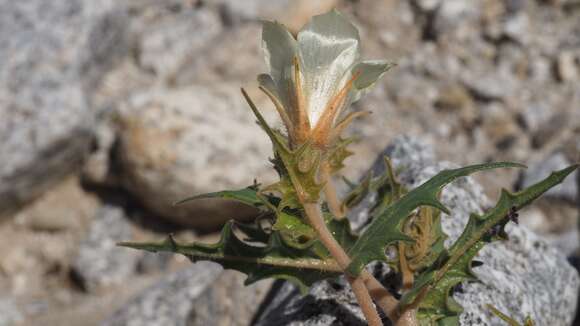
(386, 228)
(275, 259)
(432, 292)
(248, 196)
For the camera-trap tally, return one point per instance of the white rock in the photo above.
(179, 143)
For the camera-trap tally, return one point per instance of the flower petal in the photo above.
(279, 49)
(328, 47)
(268, 86)
(369, 72)
(266, 81)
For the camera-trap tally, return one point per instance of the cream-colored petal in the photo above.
(279, 49)
(328, 48)
(268, 86)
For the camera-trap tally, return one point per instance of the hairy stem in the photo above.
(316, 220)
(383, 298)
(408, 318)
(361, 292)
(330, 192)
(364, 300)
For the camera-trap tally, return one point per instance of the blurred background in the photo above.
(110, 110)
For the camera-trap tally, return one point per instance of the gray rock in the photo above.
(406, 154)
(568, 190)
(197, 295)
(522, 276)
(179, 143)
(247, 62)
(236, 11)
(490, 86)
(53, 212)
(517, 28)
(566, 66)
(427, 5)
(327, 303)
(46, 124)
(152, 262)
(97, 168)
(453, 18)
(100, 262)
(9, 313)
(170, 302)
(293, 14)
(556, 222)
(171, 41)
(228, 302)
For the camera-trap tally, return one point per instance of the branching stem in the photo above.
(361, 292)
(382, 297)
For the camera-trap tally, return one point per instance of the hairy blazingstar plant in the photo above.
(300, 233)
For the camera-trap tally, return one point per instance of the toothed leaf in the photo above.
(248, 196)
(358, 192)
(341, 231)
(338, 154)
(294, 228)
(386, 228)
(274, 259)
(388, 189)
(432, 291)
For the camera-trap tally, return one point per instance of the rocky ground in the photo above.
(110, 110)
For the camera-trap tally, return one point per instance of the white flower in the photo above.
(315, 77)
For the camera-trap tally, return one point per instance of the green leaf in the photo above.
(338, 154)
(358, 193)
(273, 260)
(432, 291)
(369, 72)
(386, 228)
(294, 228)
(299, 234)
(248, 196)
(388, 189)
(341, 231)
